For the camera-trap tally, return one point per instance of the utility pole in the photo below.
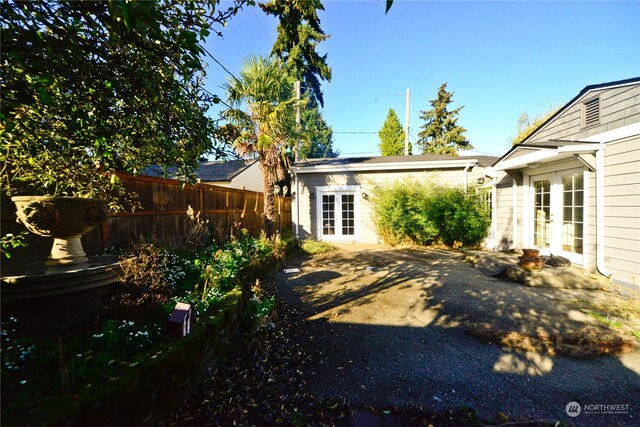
(296, 151)
(406, 123)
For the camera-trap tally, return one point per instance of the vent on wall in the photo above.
(591, 112)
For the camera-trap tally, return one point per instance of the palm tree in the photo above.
(267, 125)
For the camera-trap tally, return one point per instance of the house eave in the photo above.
(398, 166)
(543, 155)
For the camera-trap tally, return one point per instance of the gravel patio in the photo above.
(388, 327)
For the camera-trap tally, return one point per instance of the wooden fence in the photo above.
(163, 218)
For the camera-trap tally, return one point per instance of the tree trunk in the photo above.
(269, 212)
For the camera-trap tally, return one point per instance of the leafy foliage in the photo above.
(93, 87)
(526, 125)
(459, 215)
(399, 212)
(230, 267)
(392, 136)
(318, 136)
(268, 128)
(425, 213)
(441, 133)
(299, 34)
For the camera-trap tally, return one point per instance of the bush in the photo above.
(425, 213)
(399, 212)
(459, 215)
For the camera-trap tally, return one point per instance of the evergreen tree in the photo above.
(299, 33)
(441, 133)
(318, 136)
(392, 136)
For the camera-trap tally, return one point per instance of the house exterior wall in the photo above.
(618, 107)
(622, 210)
(250, 179)
(506, 213)
(365, 183)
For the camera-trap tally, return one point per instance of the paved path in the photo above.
(383, 329)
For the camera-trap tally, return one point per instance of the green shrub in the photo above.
(399, 212)
(459, 215)
(424, 213)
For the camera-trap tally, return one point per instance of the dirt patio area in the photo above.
(407, 326)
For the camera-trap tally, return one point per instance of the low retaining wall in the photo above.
(145, 390)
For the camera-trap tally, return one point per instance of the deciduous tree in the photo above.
(526, 125)
(89, 87)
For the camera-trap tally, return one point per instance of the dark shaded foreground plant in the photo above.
(133, 320)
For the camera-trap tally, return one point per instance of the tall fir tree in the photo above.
(299, 33)
(392, 136)
(318, 136)
(441, 133)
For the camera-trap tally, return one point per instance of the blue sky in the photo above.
(499, 58)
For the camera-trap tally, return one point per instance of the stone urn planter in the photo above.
(65, 219)
(530, 260)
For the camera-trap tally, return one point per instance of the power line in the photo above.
(253, 9)
(219, 63)
(357, 133)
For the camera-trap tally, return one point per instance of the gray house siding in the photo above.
(308, 183)
(506, 213)
(618, 107)
(250, 179)
(614, 139)
(622, 211)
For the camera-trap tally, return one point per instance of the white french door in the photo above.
(557, 223)
(337, 210)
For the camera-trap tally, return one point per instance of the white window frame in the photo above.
(556, 200)
(339, 190)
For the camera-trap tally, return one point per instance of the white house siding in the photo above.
(365, 181)
(622, 212)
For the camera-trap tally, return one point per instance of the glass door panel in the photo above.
(348, 220)
(542, 213)
(573, 213)
(328, 214)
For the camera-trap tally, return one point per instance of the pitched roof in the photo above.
(214, 171)
(483, 161)
(633, 80)
(218, 171)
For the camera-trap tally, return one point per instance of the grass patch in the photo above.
(313, 247)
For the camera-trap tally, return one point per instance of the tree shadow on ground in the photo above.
(386, 327)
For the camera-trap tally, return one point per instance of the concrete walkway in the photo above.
(384, 328)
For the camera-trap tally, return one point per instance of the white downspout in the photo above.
(514, 221)
(466, 173)
(494, 212)
(295, 178)
(600, 212)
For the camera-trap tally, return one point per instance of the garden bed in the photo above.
(126, 369)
